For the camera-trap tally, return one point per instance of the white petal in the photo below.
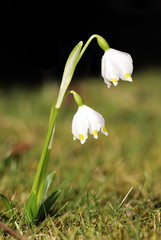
(82, 141)
(123, 62)
(95, 136)
(104, 131)
(103, 66)
(115, 82)
(109, 71)
(107, 82)
(115, 65)
(79, 125)
(96, 121)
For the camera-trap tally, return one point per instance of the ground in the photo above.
(95, 177)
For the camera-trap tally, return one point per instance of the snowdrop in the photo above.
(87, 120)
(115, 65)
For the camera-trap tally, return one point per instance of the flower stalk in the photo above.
(100, 40)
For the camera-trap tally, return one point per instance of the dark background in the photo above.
(37, 36)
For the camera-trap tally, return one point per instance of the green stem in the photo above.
(86, 45)
(42, 178)
(44, 152)
(52, 109)
(101, 42)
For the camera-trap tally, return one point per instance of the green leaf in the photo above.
(8, 205)
(31, 208)
(72, 60)
(47, 185)
(68, 72)
(47, 204)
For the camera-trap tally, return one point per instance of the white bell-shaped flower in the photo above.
(116, 65)
(87, 120)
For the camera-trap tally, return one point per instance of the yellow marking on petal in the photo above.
(127, 75)
(95, 132)
(114, 80)
(81, 137)
(104, 129)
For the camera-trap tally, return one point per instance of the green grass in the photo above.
(94, 177)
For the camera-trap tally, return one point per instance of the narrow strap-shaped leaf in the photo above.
(31, 208)
(47, 204)
(47, 185)
(68, 72)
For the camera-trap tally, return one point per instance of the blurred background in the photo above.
(37, 36)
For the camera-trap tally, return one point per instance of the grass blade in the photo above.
(8, 205)
(124, 199)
